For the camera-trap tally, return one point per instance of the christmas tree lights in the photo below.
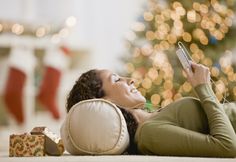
(205, 27)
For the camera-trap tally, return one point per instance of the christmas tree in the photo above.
(205, 28)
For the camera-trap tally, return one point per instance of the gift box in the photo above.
(27, 145)
(40, 142)
(53, 143)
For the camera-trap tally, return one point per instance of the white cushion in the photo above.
(95, 127)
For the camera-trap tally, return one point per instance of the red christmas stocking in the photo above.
(13, 94)
(55, 62)
(48, 91)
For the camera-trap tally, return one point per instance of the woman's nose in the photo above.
(130, 81)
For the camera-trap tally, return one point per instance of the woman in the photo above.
(186, 127)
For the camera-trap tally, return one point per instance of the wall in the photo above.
(101, 25)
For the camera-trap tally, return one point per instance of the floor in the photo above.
(45, 120)
(124, 158)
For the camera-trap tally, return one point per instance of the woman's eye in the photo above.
(117, 79)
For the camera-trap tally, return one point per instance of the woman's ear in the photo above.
(100, 93)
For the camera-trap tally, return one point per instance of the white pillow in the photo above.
(95, 127)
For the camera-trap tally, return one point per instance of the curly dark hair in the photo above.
(89, 86)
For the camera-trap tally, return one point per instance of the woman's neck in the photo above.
(141, 115)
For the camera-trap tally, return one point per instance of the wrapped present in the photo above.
(53, 143)
(27, 145)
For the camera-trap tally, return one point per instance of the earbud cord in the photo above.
(181, 45)
(224, 97)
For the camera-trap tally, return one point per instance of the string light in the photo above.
(166, 102)
(138, 26)
(55, 38)
(180, 11)
(187, 87)
(39, 32)
(147, 49)
(215, 72)
(168, 84)
(203, 9)
(152, 73)
(147, 83)
(172, 39)
(191, 16)
(155, 99)
(158, 81)
(193, 47)
(148, 16)
(150, 35)
(17, 29)
(130, 67)
(196, 6)
(165, 14)
(71, 21)
(131, 36)
(177, 96)
(64, 32)
(176, 4)
(187, 37)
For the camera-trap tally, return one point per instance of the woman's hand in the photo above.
(199, 74)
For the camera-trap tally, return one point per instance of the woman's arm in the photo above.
(220, 127)
(166, 138)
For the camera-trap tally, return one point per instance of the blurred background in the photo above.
(46, 45)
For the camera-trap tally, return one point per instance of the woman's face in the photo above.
(121, 90)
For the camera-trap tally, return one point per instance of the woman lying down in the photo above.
(186, 127)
